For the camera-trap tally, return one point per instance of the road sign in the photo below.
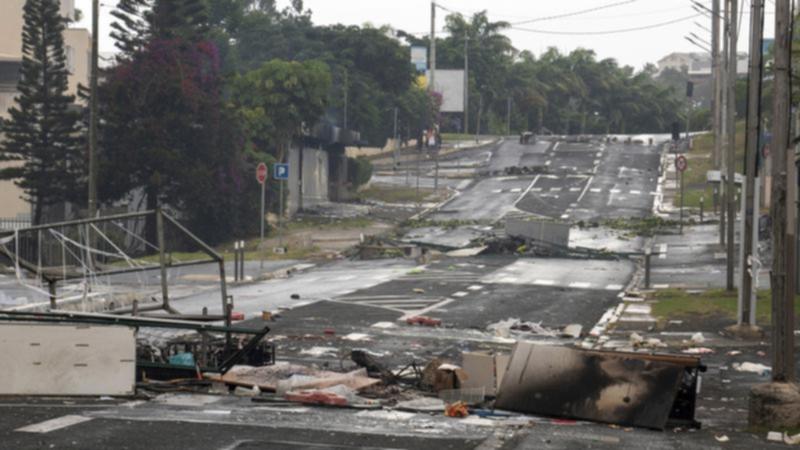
(281, 172)
(680, 163)
(261, 173)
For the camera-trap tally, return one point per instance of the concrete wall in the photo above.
(308, 179)
(11, 203)
(78, 47)
(11, 24)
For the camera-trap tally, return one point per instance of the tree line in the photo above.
(200, 91)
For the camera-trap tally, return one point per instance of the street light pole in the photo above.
(433, 48)
(466, 83)
(93, 119)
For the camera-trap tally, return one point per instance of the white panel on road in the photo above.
(67, 360)
(563, 273)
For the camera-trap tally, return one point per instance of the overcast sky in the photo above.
(633, 48)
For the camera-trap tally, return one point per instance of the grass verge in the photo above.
(673, 304)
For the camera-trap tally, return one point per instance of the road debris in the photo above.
(424, 321)
(504, 328)
(457, 409)
(698, 351)
(721, 438)
(758, 368)
(628, 389)
(484, 370)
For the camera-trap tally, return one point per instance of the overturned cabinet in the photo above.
(67, 359)
(629, 389)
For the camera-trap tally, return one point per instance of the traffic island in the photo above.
(774, 405)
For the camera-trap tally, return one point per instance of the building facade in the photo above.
(77, 46)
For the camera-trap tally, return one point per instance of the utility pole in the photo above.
(396, 140)
(508, 117)
(432, 82)
(715, 83)
(784, 185)
(93, 119)
(747, 288)
(723, 124)
(731, 122)
(346, 91)
(466, 83)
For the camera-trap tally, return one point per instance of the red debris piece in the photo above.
(457, 409)
(424, 321)
(316, 398)
(329, 331)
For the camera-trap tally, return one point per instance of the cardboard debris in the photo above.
(484, 370)
(439, 376)
(269, 378)
(572, 330)
(628, 389)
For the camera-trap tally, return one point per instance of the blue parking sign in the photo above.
(281, 172)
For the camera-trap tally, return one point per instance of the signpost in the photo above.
(281, 173)
(261, 176)
(681, 164)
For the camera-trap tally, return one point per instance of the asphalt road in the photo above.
(579, 182)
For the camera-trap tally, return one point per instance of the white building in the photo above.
(697, 65)
(77, 45)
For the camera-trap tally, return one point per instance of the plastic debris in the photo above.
(319, 351)
(503, 328)
(698, 338)
(384, 325)
(182, 359)
(457, 409)
(775, 436)
(721, 438)
(698, 351)
(734, 353)
(356, 337)
(424, 321)
(635, 339)
(758, 368)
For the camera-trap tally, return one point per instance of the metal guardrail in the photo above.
(7, 223)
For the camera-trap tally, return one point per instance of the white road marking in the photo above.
(556, 146)
(614, 191)
(580, 284)
(662, 251)
(555, 189)
(460, 294)
(596, 162)
(660, 286)
(508, 279)
(497, 191)
(636, 192)
(598, 154)
(588, 183)
(53, 424)
(565, 216)
(344, 278)
(548, 162)
(516, 190)
(595, 190)
(574, 189)
(536, 189)
(544, 282)
(614, 287)
(475, 287)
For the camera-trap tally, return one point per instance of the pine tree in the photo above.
(43, 133)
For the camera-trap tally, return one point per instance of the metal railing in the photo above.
(7, 223)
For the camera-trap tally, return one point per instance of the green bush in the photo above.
(359, 171)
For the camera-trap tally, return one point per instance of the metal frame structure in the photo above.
(53, 278)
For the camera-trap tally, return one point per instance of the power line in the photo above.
(596, 33)
(538, 19)
(574, 13)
